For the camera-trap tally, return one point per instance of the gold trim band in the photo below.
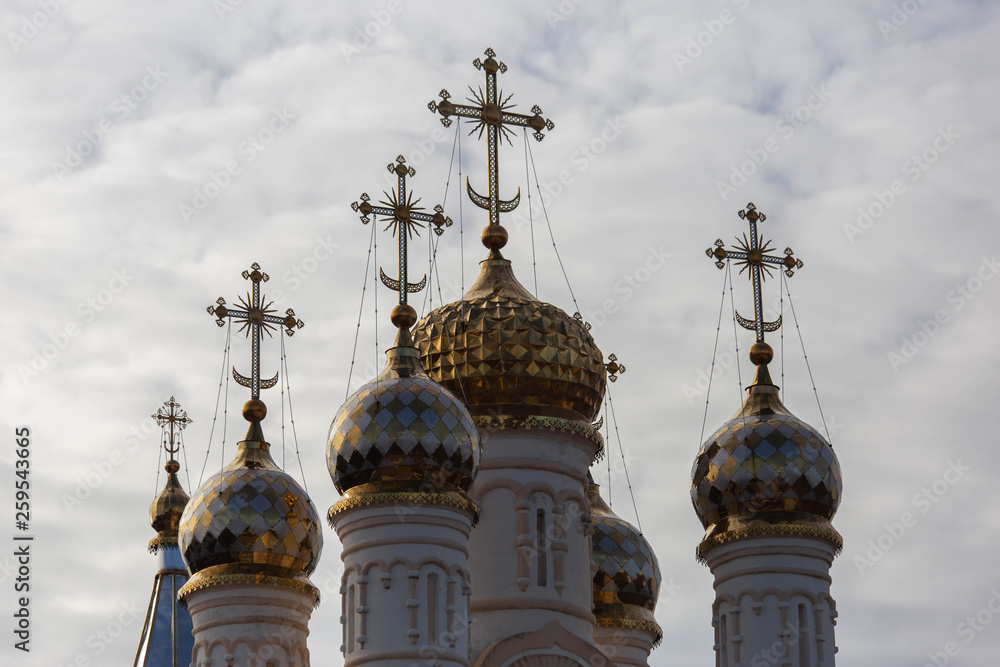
(537, 422)
(633, 624)
(200, 583)
(402, 497)
(768, 530)
(162, 541)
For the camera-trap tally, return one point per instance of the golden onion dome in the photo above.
(167, 508)
(765, 472)
(403, 432)
(507, 353)
(251, 520)
(627, 582)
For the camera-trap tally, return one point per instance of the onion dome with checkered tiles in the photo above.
(403, 432)
(251, 522)
(627, 582)
(765, 472)
(165, 512)
(507, 353)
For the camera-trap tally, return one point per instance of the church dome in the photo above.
(167, 508)
(507, 353)
(766, 472)
(403, 432)
(627, 582)
(251, 518)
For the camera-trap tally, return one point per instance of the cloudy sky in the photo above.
(150, 152)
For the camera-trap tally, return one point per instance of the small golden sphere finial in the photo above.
(254, 410)
(494, 237)
(403, 316)
(171, 466)
(761, 354)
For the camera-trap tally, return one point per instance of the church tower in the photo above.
(534, 379)
(251, 536)
(166, 639)
(766, 485)
(403, 451)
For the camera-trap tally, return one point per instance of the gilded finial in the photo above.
(404, 217)
(614, 368)
(167, 507)
(750, 253)
(490, 111)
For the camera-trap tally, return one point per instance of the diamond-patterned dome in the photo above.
(252, 513)
(765, 459)
(506, 353)
(627, 569)
(403, 430)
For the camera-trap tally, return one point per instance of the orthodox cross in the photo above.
(404, 216)
(253, 318)
(490, 110)
(750, 254)
(170, 414)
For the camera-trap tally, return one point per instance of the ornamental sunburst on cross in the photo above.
(254, 317)
(751, 253)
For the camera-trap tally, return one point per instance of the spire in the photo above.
(404, 216)
(491, 113)
(166, 639)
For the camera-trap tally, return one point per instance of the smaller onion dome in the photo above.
(765, 472)
(403, 432)
(627, 582)
(165, 512)
(251, 522)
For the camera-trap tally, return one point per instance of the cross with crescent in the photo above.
(750, 254)
(491, 111)
(170, 414)
(254, 317)
(404, 216)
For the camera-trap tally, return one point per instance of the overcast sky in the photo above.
(150, 152)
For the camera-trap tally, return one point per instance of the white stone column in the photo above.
(530, 560)
(405, 589)
(625, 647)
(250, 625)
(773, 602)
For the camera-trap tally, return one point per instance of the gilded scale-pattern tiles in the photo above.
(251, 516)
(765, 462)
(403, 429)
(505, 350)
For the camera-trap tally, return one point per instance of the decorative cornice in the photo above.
(162, 541)
(456, 500)
(641, 625)
(201, 581)
(537, 422)
(770, 530)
